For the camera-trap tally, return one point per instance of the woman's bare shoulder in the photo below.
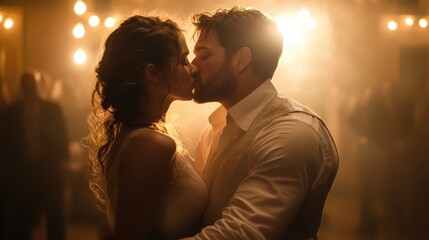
(154, 140)
(149, 152)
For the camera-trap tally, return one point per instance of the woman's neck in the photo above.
(153, 113)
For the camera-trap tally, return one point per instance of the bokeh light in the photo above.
(79, 31)
(423, 23)
(79, 7)
(110, 22)
(8, 23)
(409, 21)
(80, 56)
(392, 25)
(93, 21)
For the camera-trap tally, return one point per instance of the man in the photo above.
(34, 144)
(268, 161)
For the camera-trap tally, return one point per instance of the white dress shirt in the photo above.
(286, 162)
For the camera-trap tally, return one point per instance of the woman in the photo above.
(140, 172)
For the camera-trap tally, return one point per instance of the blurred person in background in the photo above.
(386, 119)
(3, 96)
(3, 207)
(141, 174)
(415, 164)
(371, 118)
(34, 144)
(267, 160)
(420, 186)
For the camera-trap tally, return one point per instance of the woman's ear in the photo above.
(243, 59)
(152, 74)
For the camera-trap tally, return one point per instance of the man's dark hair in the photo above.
(238, 27)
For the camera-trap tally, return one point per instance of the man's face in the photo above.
(214, 82)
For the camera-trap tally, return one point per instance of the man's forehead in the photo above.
(207, 39)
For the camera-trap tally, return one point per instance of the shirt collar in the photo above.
(245, 112)
(218, 118)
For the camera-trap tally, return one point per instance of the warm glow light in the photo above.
(409, 21)
(109, 22)
(291, 29)
(392, 25)
(79, 56)
(312, 23)
(8, 23)
(79, 31)
(304, 15)
(1, 18)
(93, 21)
(79, 7)
(423, 23)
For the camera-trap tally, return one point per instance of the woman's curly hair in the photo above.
(137, 42)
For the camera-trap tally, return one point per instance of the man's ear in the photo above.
(243, 59)
(151, 73)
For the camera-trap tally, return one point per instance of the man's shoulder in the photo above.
(292, 118)
(294, 105)
(286, 109)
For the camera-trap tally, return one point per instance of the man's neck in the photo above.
(243, 89)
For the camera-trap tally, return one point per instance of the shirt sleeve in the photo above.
(282, 162)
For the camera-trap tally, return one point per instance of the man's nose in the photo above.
(194, 62)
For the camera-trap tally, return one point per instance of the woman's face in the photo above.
(182, 84)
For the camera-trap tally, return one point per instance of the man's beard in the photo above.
(217, 88)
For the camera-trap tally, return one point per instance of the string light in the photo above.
(408, 21)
